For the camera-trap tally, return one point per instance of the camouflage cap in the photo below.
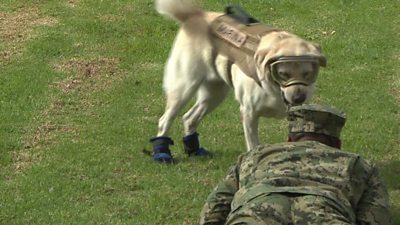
(316, 119)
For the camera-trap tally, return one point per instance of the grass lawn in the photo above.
(80, 96)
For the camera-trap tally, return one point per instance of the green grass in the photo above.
(80, 96)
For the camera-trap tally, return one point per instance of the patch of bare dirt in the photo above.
(23, 160)
(85, 77)
(99, 73)
(17, 27)
(43, 135)
(26, 157)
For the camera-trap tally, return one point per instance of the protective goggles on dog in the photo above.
(286, 80)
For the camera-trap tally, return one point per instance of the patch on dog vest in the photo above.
(245, 37)
(230, 34)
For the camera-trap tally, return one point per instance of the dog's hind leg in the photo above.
(209, 96)
(181, 81)
(176, 100)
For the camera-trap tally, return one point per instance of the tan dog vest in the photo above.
(239, 42)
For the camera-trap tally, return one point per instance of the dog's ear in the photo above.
(321, 57)
(318, 47)
(261, 59)
(322, 61)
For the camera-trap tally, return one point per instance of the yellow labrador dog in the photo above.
(268, 69)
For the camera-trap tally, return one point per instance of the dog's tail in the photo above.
(180, 10)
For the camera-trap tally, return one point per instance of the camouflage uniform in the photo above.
(300, 183)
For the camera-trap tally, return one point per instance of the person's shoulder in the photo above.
(333, 152)
(277, 147)
(306, 146)
(364, 164)
(286, 146)
(266, 147)
(293, 145)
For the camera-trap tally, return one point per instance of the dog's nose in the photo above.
(299, 98)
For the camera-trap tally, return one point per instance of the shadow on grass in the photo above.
(390, 171)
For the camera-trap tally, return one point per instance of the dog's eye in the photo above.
(306, 75)
(283, 74)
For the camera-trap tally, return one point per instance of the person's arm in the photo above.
(373, 207)
(218, 205)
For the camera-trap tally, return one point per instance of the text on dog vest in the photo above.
(231, 34)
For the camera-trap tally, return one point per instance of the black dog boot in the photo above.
(192, 146)
(161, 152)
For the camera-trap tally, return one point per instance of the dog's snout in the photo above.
(299, 98)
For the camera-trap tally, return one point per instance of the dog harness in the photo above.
(238, 41)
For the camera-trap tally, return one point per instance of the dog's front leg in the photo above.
(250, 127)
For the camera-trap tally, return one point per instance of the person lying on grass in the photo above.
(307, 180)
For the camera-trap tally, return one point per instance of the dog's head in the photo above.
(290, 63)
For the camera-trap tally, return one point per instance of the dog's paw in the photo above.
(163, 158)
(202, 152)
